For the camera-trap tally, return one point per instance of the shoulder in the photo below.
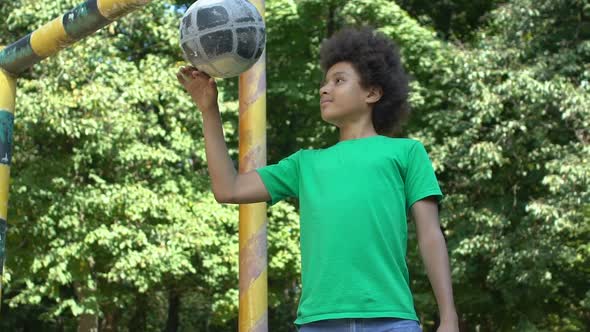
(300, 154)
(312, 152)
(403, 143)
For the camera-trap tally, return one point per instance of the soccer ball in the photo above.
(223, 38)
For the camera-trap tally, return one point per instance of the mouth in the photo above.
(323, 102)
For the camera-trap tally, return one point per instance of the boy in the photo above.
(354, 196)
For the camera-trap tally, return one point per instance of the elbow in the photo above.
(225, 193)
(223, 198)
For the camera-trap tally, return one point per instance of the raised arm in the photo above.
(228, 186)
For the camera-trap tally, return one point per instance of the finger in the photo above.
(200, 74)
(180, 78)
(184, 74)
(187, 71)
(207, 76)
(190, 69)
(212, 81)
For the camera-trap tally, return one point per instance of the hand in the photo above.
(201, 87)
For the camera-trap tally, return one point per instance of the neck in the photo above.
(357, 130)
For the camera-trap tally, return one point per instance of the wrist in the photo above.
(209, 109)
(449, 316)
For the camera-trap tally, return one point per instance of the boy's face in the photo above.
(342, 98)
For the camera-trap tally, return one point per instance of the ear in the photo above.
(374, 94)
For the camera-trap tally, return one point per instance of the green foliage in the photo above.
(110, 199)
(111, 212)
(456, 20)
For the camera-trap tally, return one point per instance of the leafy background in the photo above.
(112, 225)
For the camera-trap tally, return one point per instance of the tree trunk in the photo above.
(331, 24)
(173, 311)
(88, 323)
(138, 321)
(109, 323)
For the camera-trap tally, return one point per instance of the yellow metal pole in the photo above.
(44, 42)
(253, 316)
(7, 102)
(63, 31)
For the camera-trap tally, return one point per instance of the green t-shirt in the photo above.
(353, 200)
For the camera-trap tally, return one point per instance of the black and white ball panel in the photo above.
(222, 37)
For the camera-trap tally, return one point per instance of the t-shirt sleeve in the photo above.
(282, 179)
(421, 180)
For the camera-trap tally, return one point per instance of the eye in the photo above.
(339, 80)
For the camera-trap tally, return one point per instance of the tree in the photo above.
(111, 213)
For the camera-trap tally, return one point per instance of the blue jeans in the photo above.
(362, 325)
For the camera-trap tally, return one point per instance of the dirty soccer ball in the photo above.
(223, 38)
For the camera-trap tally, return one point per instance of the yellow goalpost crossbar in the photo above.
(84, 20)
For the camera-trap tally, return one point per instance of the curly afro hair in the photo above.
(376, 59)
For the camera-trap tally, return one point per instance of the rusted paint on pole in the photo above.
(7, 103)
(253, 315)
(63, 31)
(44, 42)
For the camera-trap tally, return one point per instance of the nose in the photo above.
(324, 89)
